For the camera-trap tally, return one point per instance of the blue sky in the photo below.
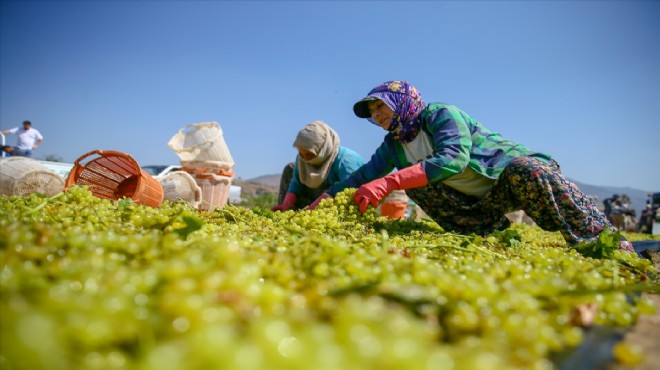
(580, 80)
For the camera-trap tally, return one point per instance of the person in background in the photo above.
(7, 150)
(321, 162)
(29, 139)
(650, 214)
(620, 212)
(464, 176)
(609, 204)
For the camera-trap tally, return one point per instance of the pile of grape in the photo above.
(89, 283)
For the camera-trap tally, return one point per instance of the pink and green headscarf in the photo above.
(406, 102)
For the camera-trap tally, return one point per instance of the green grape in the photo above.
(628, 354)
(646, 306)
(114, 284)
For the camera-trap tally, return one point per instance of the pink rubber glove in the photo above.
(375, 191)
(287, 204)
(317, 201)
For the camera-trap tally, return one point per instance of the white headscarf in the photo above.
(320, 139)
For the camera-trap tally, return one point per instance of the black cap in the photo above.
(361, 108)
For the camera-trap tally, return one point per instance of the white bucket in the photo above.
(181, 185)
(22, 176)
(201, 145)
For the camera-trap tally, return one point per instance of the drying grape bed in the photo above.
(89, 283)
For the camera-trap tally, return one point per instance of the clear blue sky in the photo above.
(580, 80)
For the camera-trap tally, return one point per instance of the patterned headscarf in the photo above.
(323, 141)
(406, 102)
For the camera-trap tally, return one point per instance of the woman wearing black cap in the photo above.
(462, 175)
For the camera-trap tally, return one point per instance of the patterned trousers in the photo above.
(527, 184)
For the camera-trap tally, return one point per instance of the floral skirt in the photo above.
(527, 184)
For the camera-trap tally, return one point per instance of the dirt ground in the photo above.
(646, 333)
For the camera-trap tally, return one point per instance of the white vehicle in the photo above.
(160, 170)
(235, 194)
(60, 168)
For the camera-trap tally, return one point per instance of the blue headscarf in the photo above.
(406, 102)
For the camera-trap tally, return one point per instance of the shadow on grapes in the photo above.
(404, 226)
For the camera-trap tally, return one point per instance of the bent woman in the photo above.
(464, 176)
(321, 163)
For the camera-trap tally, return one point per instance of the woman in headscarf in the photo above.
(321, 163)
(462, 175)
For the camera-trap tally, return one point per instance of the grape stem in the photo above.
(236, 219)
(43, 204)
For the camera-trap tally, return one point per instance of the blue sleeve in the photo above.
(380, 164)
(346, 163)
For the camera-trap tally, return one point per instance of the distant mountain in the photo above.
(638, 197)
(254, 189)
(272, 180)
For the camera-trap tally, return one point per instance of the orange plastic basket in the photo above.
(114, 175)
(393, 210)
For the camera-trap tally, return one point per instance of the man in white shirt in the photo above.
(29, 139)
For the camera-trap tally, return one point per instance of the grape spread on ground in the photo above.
(89, 283)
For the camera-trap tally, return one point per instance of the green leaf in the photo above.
(508, 238)
(192, 224)
(125, 202)
(603, 248)
(261, 211)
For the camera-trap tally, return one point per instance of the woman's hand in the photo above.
(318, 200)
(287, 204)
(375, 191)
(372, 193)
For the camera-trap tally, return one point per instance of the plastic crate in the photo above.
(113, 175)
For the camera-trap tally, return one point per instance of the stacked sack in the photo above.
(204, 155)
(23, 176)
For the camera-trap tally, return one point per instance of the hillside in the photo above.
(637, 197)
(251, 188)
(271, 180)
